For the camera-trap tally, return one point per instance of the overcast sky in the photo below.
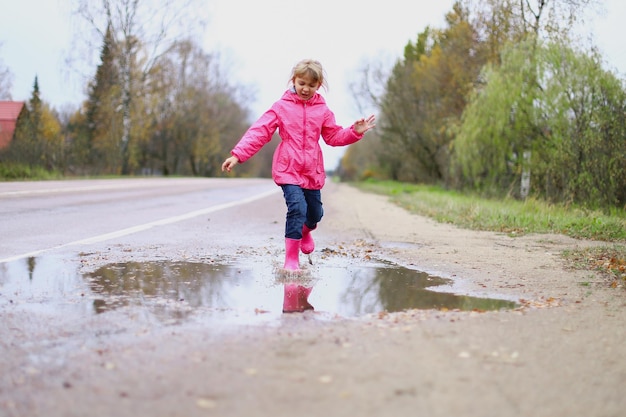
(260, 41)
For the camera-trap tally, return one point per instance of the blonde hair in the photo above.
(312, 69)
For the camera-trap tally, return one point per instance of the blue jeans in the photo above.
(303, 206)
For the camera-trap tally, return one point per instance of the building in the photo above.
(10, 112)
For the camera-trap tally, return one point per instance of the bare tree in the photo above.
(144, 30)
(543, 18)
(6, 81)
(551, 17)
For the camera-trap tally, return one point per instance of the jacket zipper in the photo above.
(304, 130)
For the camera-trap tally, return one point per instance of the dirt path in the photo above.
(560, 355)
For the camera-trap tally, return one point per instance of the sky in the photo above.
(260, 41)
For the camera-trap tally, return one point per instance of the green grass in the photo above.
(21, 172)
(517, 218)
(509, 216)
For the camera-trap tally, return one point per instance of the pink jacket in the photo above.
(298, 159)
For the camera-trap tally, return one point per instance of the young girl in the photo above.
(301, 117)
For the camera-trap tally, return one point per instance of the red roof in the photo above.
(9, 112)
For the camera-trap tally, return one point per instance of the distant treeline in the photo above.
(501, 101)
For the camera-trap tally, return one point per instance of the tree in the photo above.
(424, 96)
(103, 116)
(193, 110)
(584, 113)
(6, 80)
(76, 133)
(489, 145)
(427, 92)
(573, 123)
(38, 141)
(142, 32)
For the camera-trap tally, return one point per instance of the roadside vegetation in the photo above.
(517, 218)
(503, 101)
(17, 172)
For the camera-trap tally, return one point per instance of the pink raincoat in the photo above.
(298, 159)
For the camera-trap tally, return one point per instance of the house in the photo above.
(9, 114)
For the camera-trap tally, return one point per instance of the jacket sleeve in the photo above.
(259, 134)
(335, 135)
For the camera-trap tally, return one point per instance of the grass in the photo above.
(517, 218)
(22, 172)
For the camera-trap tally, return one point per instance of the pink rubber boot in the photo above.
(296, 299)
(307, 245)
(292, 254)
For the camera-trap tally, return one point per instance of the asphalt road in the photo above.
(146, 355)
(41, 216)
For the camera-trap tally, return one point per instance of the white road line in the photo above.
(146, 226)
(96, 187)
(74, 186)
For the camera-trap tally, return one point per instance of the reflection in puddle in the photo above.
(177, 290)
(44, 283)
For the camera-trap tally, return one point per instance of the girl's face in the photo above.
(305, 86)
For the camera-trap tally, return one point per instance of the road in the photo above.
(40, 216)
(560, 354)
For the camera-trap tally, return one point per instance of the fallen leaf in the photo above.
(326, 379)
(251, 371)
(206, 403)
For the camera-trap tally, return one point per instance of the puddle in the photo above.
(184, 290)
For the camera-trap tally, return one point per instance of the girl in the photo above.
(301, 117)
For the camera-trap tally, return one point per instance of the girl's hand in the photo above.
(229, 163)
(363, 125)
